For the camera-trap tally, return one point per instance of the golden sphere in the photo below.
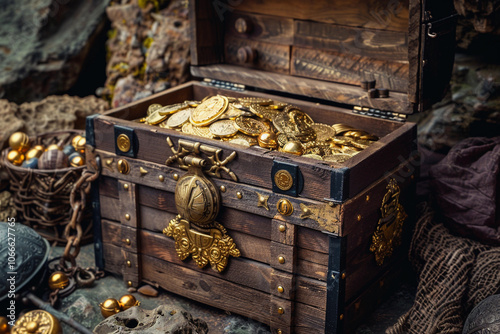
(4, 325)
(77, 161)
(58, 280)
(39, 147)
(53, 147)
(80, 145)
(268, 140)
(32, 327)
(293, 147)
(75, 140)
(109, 307)
(33, 153)
(15, 157)
(19, 141)
(127, 301)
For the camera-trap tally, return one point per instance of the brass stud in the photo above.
(129, 264)
(129, 283)
(127, 216)
(125, 186)
(127, 241)
(143, 171)
(282, 228)
(280, 289)
(239, 195)
(281, 310)
(279, 331)
(358, 217)
(161, 178)
(175, 176)
(341, 317)
(281, 259)
(367, 198)
(223, 189)
(343, 275)
(123, 166)
(331, 204)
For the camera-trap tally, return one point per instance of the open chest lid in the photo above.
(331, 50)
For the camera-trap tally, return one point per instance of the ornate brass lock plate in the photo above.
(387, 236)
(197, 200)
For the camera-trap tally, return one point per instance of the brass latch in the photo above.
(198, 200)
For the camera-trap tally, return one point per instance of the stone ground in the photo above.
(83, 305)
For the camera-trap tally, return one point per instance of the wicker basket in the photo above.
(42, 197)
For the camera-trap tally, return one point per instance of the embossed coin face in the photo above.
(240, 141)
(123, 143)
(313, 156)
(323, 131)
(223, 128)
(172, 109)
(179, 118)
(155, 118)
(209, 110)
(188, 128)
(361, 143)
(339, 158)
(258, 100)
(202, 131)
(283, 179)
(153, 107)
(250, 126)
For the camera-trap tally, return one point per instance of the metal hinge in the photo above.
(224, 84)
(392, 116)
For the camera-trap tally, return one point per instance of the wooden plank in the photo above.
(312, 240)
(271, 29)
(268, 57)
(207, 289)
(376, 14)
(378, 44)
(310, 292)
(206, 40)
(309, 319)
(323, 90)
(414, 51)
(311, 270)
(283, 232)
(349, 69)
(283, 257)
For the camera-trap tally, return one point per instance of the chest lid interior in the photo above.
(330, 50)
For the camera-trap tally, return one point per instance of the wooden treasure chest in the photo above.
(292, 235)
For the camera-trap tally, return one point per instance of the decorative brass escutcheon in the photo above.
(283, 179)
(123, 166)
(123, 143)
(387, 236)
(285, 207)
(37, 321)
(198, 200)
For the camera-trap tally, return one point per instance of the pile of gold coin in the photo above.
(265, 122)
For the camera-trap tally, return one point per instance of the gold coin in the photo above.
(278, 105)
(339, 140)
(155, 118)
(172, 109)
(258, 100)
(339, 158)
(240, 141)
(178, 118)
(233, 112)
(250, 126)
(341, 128)
(369, 137)
(349, 150)
(361, 143)
(153, 107)
(193, 104)
(209, 111)
(188, 128)
(202, 131)
(251, 140)
(224, 128)
(323, 131)
(313, 156)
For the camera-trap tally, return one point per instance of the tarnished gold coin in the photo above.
(341, 128)
(202, 131)
(339, 140)
(172, 109)
(251, 140)
(178, 119)
(259, 100)
(233, 112)
(223, 128)
(323, 131)
(369, 137)
(155, 118)
(361, 143)
(350, 150)
(339, 158)
(313, 156)
(209, 110)
(250, 126)
(153, 107)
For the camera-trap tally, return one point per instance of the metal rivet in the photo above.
(282, 228)
(223, 189)
(129, 264)
(125, 186)
(281, 310)
(358, 217)
(280, 289)
(127, 241)
(341, 317)
(279, 331)
(127, 216)
(161, 178)
(333, 276)
(176, 176)
(281, 259)
(129, 283)
(367, 198)
(239, 195)
(343, 275)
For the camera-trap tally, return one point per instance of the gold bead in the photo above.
(4, 325)
(161, 178)
(33, 153)
(281, 310)
(75, 140)
(223, 189)
(176, 177)
(280, 289)
(279, 331)
(32, 327)
(239, 195)
(77, 161)
(129, 264)
(281, 259)
(358, 217)
(125, 186)
(109, 307)
(127, 241)
(15, 157)
(19, 141)
(343, 275)
(293, 147)
(341, 317)
(282, 228)
(367, 198)
(268, 140)
(58, 280)
(127, 216)
(53, 147)
(129, 283)
(127, 301)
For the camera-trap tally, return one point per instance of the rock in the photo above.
(44, 45)
(149, 49)
(162, 319)
(148, 290)
(483, 14)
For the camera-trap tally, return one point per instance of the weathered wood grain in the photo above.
(378, 44)
(206, 40)
(349, 69)
(271, 29)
